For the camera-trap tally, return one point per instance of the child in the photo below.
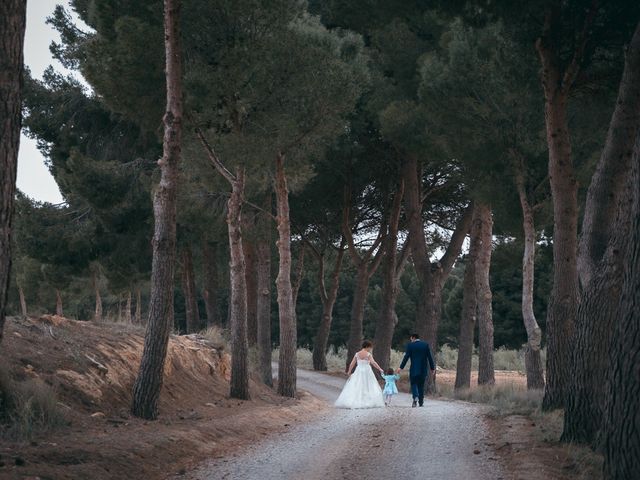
(390, 388)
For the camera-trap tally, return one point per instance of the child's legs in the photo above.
(387, 398)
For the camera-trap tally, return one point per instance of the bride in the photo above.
(362, 389)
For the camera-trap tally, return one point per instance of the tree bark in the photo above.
(620, 432)
(431, 275)
(209, 254)
(286, 306)
(328, 298)
(603, 253)
(97, 316)
(146, 390)
(238, 304)
(251, 279)
(387, 318)
(486, 374)
(138, 317)
(12, 26)
(532, 357)
(563, 302)
(23, 303)
(59, 310)
(189, 290)
(299, 274)
(469, 312)
(263, 250)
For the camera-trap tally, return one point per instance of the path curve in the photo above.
(440, 441)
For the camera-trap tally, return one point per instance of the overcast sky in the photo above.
(34, 178)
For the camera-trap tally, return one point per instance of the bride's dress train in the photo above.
(362, 389)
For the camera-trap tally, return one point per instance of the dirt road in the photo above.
(442, 440)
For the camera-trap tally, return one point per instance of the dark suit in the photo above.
(420, 354)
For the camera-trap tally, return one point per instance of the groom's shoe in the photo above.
(415, 403)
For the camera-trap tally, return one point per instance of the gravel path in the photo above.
(442, 440)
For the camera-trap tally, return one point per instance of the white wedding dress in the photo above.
(362, 389)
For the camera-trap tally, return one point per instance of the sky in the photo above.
(34, 177)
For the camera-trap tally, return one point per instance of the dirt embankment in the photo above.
(92, 369)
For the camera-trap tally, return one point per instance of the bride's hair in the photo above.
(367, 344)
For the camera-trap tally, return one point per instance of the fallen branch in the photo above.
(97, 364)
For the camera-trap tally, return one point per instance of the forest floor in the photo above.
(91, 369)
(88, 369)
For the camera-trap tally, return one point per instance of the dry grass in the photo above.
(218, 337)
(27, 407)
(503, 359)
(446, 358)
(506, 399)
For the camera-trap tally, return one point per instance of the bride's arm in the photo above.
(353, 364)
(373, 362)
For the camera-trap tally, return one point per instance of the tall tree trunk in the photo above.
(620, 432)
(286, 306)
(127, 317)
(431, 275)
(23, 303)
(366, 265)
(146, 390)
(486, 374)
(532, 357)
(12, 25)
(563, 302)
(613, 168)
(189, 290)
(238, 304)
(603, 253)
(119, 308)
(320, 344)
(357, 312)
(263, 250)
(239, 387)
(59, 310)
(138, 317)
(387, 318)
(299, 274)
(210, 290)
(97, 317)
(469, 311)
(251, 279)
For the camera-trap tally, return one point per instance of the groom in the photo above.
(419, 353)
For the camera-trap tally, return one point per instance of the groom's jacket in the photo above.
(420, 354)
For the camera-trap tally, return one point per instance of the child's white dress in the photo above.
(362, 389)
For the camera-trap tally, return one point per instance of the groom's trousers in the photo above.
(417, 387)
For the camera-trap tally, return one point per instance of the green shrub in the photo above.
(504, 359)
(447, 357)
